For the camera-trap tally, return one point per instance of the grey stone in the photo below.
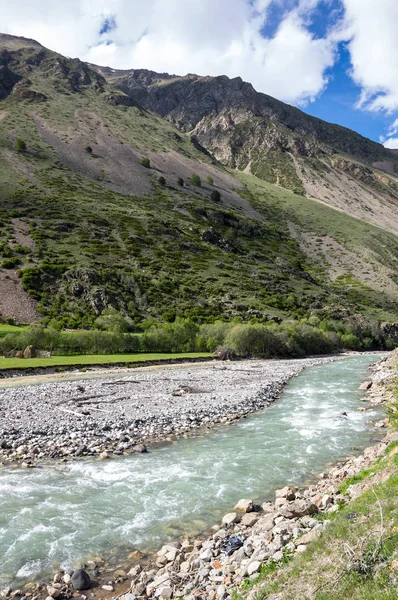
(81, 580)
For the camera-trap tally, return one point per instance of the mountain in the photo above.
(257, 134)
(293, 215)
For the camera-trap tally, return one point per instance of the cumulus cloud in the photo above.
(391, 143)
(208, 37)
(373, 47)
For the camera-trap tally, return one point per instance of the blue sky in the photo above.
(335, 59)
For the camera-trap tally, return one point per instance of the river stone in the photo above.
(253, 567)
(81, 580)
(366, 385)
(289, 493)
(230, 519)
(139, 448)
(166, 593)
(309, 537)
(250, 519)
(244, 506)
(299, 508)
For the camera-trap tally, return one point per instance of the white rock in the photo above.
(250, 519)
(207, 555)
(244, 506)
(289, 493)
(230, 518)
(253, 567)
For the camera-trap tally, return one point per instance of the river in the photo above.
(61, 515)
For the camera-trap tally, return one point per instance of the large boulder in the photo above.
(81, 580)
(30, 352)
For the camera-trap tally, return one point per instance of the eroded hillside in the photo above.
(104, 230)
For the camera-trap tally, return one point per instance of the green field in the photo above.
(95, 359)
(5, 329)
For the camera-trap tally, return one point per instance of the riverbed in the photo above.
(61, 515)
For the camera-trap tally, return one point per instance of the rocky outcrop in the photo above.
(211, 105)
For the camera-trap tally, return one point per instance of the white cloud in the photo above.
(371, 26)
(391, 143)
(208, 37)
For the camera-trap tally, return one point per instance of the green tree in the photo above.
(180, 181)
(215, 196)
(113, 320)
(162, 181)
(89, 149)
(196, 180)
(20, 145)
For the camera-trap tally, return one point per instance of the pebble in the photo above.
(121, 422)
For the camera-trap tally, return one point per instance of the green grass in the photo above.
(95, 359)
(5, 329)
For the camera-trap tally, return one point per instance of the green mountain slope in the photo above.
(85, 226)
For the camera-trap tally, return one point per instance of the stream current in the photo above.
(61, 515)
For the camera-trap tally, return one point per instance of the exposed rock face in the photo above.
(222, 110)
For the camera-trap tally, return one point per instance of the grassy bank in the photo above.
(357, 556)
(95, 359)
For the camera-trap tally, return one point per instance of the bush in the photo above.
(215, 196)
(112, 320)
(304, 340)
(350, 341)
(89, 149)
(179, 336)
(212, 336)
(257, 340)
(20, 145)
(196, 180)
(162, 181)
(180, 181)
(10, 263)
(145, 162)
(209, 180)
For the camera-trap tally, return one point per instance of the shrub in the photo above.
(304, 340)
(112, 320)
(145, 162)
(212, 336)
(179, 336)
(10, 263)
(259, 340)
(196, 180)
(350, 341)
(20, 145)
(209, 180)
(215, 196)
(180, 181)
(162, 181)
(89, 149)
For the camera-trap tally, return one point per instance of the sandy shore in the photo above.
(120, 412)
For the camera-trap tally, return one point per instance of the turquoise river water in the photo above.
(61, 515)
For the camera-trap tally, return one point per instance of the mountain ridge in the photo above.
(104, 230)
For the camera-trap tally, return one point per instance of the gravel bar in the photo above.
(123, 412)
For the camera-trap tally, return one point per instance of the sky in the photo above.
(335, 59)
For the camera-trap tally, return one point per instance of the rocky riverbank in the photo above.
(125, 413)
(247, 539)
